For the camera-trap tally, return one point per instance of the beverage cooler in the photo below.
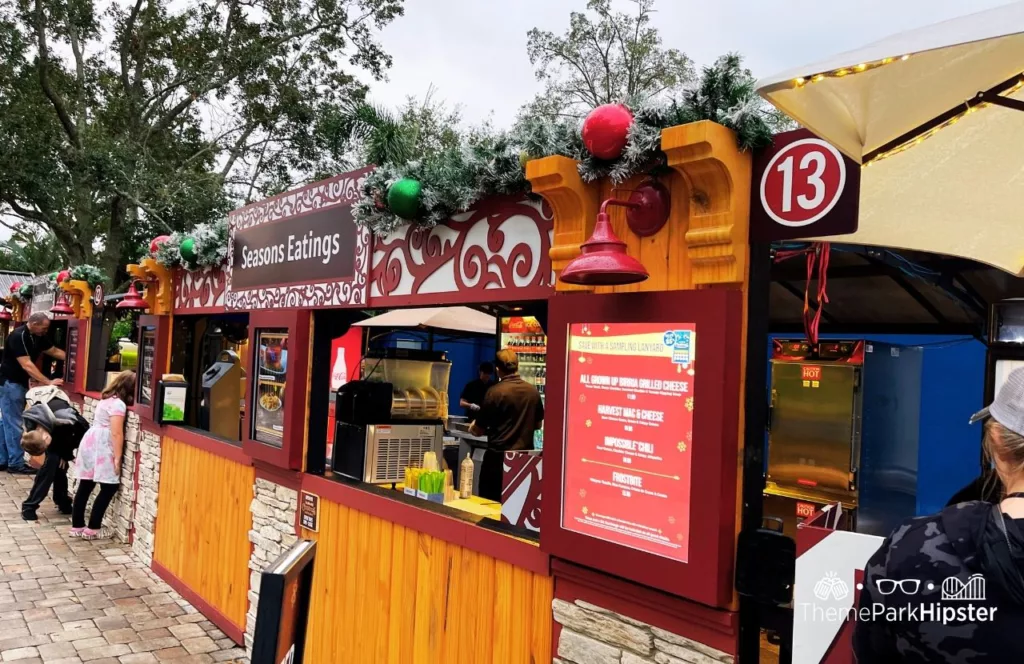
(844, 428)
(525, 335)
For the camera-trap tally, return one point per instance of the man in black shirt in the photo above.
(22, 349)
(512, 409)
(473, 394)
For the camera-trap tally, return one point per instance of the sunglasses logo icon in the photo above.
(906, 586)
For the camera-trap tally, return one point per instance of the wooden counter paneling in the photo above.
(394, 594)
(202, 526)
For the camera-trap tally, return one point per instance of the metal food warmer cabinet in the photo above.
(843, 428)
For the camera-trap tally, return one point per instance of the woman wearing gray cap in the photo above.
(950, 587)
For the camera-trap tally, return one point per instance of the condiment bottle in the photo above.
(466, 477)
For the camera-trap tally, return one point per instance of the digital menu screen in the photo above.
(629, 434)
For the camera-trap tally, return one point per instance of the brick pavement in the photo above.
(67, 601)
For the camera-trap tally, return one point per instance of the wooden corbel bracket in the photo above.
(159, 287)
(81, 297)
(574, 204)
(718, 175)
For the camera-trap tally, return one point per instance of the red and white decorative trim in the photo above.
(199, 291)
(498, 251)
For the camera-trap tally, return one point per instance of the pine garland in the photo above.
(90, 274)
(488, 163)
(210, 246)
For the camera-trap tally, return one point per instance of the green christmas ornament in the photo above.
(404, 198)
(25, 291)
(187, 248)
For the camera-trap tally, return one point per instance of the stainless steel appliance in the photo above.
(386, 421)
(844, 427)
(380, 453)
(220, 408)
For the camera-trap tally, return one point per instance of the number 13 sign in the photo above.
(803, 187)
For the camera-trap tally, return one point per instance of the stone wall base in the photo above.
(132, 514)
(273, 531)
(594, 635)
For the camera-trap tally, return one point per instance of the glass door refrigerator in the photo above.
(526, 337)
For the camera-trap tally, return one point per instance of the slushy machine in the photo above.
(389, 419)
(843, 428)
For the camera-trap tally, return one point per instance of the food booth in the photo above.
(542, 571)
(615, 539)
(596, 554)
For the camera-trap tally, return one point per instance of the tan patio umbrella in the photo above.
(936, 118)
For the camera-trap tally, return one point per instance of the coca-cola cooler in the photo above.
(346, 355)
(844, 428)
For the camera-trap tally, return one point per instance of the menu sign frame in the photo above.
(147, 365)
(71, 366)
(715, 320)
(629, 428)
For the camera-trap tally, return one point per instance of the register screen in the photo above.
(629, 434)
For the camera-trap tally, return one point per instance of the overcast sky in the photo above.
(474, 51)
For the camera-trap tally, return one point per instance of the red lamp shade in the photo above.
(604, 260)
(132, 300)
(62, 307)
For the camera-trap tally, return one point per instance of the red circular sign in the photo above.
(803, 182)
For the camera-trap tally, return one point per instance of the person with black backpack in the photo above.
(55, 429)
(950, 587)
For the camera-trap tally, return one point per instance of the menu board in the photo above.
(629, 434)
(269, 387)
(147, 364)
(71, 365)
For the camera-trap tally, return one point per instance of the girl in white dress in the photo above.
(99, 456)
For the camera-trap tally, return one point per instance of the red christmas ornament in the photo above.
(606, 130)
(157, 241)
(63, 276)
(15, 286)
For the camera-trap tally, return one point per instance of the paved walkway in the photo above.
(67, 601)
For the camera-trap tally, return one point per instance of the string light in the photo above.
(971, 106)
(846, 71)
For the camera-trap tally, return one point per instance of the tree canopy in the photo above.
(29, 251)
(124, 121)
(604, 57)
